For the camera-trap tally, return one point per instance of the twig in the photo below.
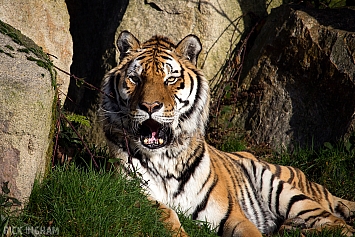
(238, 73)
(56, 141)
(82, 140)
(127, 147)
(57, 130)
(82, 80)
(230, 76)
(61, 116)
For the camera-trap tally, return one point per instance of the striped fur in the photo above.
(155, 109)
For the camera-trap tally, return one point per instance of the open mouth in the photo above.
(153, 135)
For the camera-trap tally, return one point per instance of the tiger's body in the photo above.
(155, 110)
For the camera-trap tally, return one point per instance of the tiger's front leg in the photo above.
(314, 216)
(170, 219)
(298, 223)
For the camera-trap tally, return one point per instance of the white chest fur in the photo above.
(169, 181)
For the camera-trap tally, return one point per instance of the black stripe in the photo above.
(185, 102)
(326, 194)
(308, 187)
(300, 180)
(266, 165)
(312, 191)
(292, 174)
(230, 167)
(206, 181)
(181, 86)
(192, 109)
(189, 171)
(253, 193)
(293, 200)
(319, 192)
(306, 211)
(277, 171)
(312, 224)
(277, 197)
(192, 83)
(203, 204)
(161, 42)
(237, 184)
(165, 57)
(261, 179)
(324, 214)
(141, 57)
(225, 218)
(246, 195)
(254, 169)
(271, 190)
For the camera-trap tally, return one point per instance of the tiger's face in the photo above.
(155, 89)
(155, 93)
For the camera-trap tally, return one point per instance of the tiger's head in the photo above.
(156, 95)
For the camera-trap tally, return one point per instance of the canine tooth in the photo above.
(145, 141)
(160, 141)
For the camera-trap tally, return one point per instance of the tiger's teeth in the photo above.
(160, 141)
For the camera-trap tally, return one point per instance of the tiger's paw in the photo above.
(298, 223)
(292, 224)
(171, 220)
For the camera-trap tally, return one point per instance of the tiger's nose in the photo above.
(150, 107)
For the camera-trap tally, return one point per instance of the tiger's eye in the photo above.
(134, 79)
(171, 80)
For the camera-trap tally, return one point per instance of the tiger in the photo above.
(155, 108)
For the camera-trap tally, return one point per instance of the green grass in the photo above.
(196, 228)
(233, 143)
(74, 201)
(83, 202)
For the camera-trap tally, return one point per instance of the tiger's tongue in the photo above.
(153, 138)
(154, 129)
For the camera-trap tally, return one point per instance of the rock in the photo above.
(299, 86)
(26, 107)
(93, 47)
(218, 24)
(47, 24)
(94, 55)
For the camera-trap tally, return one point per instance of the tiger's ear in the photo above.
(126, 42)
(189, 47)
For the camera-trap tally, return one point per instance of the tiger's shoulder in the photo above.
(244, 154)
(237, 155)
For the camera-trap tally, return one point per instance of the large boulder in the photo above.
(218, 23)
(26, 107)
(46, 22)
(299, 86)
